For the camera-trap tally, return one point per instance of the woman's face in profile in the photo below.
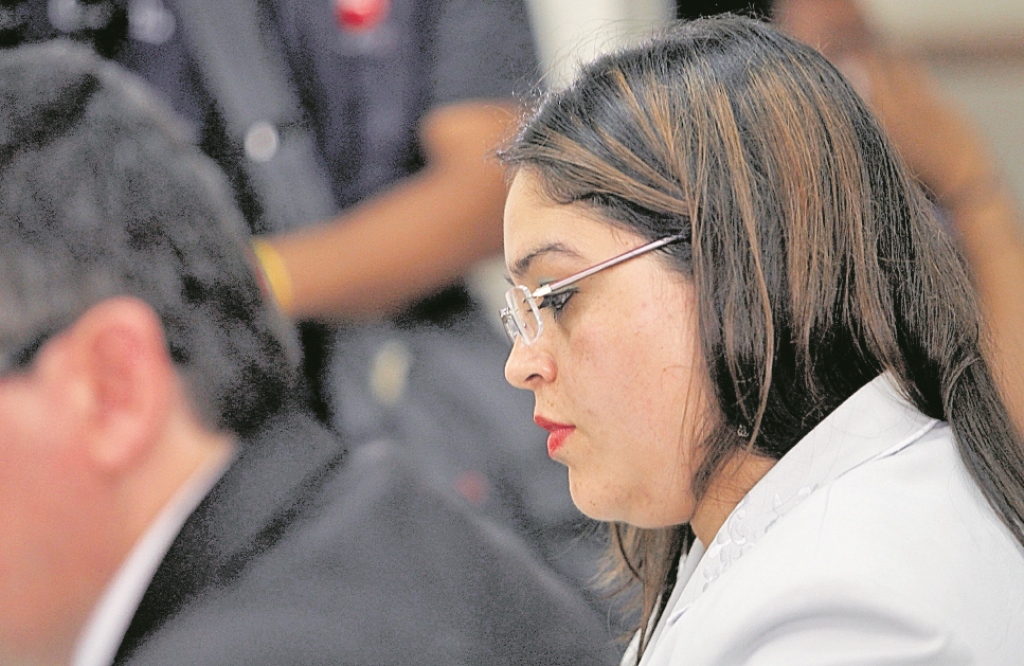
(616, 372)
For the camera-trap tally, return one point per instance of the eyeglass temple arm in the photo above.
(608, 263)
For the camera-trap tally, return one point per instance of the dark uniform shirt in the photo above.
(368, 87)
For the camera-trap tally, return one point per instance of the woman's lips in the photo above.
(559, 433)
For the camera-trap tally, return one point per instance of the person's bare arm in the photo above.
(414, 238)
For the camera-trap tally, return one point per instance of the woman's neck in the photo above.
(727, 488)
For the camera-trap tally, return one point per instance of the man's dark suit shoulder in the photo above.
(298, 558)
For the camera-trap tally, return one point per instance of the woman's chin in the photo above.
(598, 503)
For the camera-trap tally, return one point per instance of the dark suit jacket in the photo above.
(303, 556)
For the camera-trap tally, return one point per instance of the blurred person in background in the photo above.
(164, 498)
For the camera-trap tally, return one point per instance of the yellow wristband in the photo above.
(275, 272)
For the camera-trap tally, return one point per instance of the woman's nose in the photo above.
(528, 365)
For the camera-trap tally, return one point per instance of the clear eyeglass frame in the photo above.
(521, 314)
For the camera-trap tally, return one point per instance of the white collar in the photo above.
(97, 644)
(875, 422)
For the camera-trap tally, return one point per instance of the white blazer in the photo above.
(866, 544)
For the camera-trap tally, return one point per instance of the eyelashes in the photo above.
(558, 300)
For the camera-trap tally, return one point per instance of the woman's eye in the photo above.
(558, 300)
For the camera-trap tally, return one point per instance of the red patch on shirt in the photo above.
(360, 15)
(473, 486)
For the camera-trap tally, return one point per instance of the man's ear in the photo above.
(127, 380)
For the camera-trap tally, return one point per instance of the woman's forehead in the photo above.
(533, 219)
(562, 233)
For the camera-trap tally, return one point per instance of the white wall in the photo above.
(930, 19)
(574, 31)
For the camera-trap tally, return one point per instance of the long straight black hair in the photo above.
(817, 260)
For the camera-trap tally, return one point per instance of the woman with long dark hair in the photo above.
(760, 357)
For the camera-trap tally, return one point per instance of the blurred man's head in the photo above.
(101, 196)
(134, 339)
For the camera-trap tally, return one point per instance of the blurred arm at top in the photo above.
(410, 224)
(414, 238)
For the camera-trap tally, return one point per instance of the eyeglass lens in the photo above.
(524, 316)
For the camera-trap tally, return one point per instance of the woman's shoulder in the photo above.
(899, 554)
(877, 487)
(917, 503)
(912, 523)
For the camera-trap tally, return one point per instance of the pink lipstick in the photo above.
(559, 432)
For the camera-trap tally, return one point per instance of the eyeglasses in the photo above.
(21, 357)
(521, 316)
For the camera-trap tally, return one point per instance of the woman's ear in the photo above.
(126, 382)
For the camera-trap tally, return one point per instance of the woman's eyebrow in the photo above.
(520, 266)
